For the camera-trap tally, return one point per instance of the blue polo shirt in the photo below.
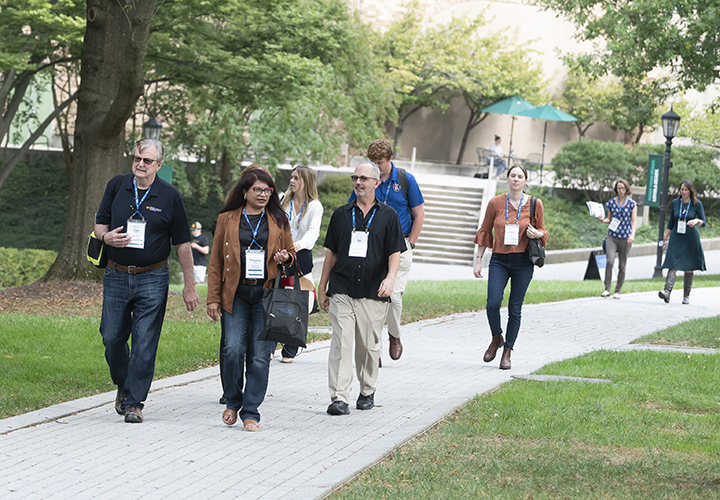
(389, 192)
(164, 213)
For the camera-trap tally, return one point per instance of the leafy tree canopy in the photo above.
(634, 38)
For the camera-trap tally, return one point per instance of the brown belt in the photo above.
(136, 269)
(251, 282)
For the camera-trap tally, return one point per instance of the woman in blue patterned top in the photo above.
(684, 252)
(622, 215)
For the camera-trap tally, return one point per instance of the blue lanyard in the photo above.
(291, 209)
(620, 207)
(138, 203)
(686, 210)
(507, 207)
(254, 231)
(367, 228)
(387, 190)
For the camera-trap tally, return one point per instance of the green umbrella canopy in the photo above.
(548, 112)
(510, 106)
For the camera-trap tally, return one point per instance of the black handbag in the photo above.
(96, 254)
(286, 313)
(536, 251)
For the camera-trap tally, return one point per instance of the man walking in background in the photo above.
(139, 216)
(200, 249)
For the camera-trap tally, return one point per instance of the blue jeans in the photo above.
(133, 305)
(242, 329)
(517, 268)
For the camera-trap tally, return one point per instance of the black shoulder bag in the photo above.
(96, 253)
(286, 313)
(536, 251)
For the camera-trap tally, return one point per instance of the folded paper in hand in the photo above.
(596, 209)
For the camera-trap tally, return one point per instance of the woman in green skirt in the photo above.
(684, 250)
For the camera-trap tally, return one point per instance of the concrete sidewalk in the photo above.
(82, 449)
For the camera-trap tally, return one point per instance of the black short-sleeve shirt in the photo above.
(199, 258)
(164, 213)
(360, 277)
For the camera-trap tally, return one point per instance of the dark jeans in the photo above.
(245, 386)
(133, 305)
(517, 268)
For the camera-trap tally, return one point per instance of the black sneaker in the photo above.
(365, 402)
(120, 398)
(338, 408)
(133, 415)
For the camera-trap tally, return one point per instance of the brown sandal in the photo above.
(251, 425)
(229, 416)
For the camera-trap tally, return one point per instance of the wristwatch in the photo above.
(412, 246)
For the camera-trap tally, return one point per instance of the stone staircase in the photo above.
(453, 210)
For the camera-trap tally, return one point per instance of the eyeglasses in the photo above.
(362, 178)
(146, 161)
(258, 190)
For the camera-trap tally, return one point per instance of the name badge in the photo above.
(681, 226)
(614, 224)
(136, 230)
(512, 234)
(358, 244)
(254, 264)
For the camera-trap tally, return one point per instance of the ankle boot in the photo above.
(687, 286)
(505, 360)
(669, 284)
(497, 341)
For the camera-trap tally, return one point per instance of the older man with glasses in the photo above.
(399, 189)
(139, 217)
(364, 241)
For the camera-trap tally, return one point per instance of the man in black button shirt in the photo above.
(139, 216)
(364, 241)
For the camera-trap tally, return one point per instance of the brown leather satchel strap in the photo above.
(135, 269)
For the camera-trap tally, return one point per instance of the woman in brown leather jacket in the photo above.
(251, 237)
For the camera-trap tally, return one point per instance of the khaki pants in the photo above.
(361, 320)
(401, 279)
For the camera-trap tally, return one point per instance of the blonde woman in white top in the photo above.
(305, 212)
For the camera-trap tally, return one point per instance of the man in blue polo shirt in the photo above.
(405, 198)
(139, 216)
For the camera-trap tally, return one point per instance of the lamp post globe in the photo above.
(152, 129)
(670, 125)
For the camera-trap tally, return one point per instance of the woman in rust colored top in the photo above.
(509, 216)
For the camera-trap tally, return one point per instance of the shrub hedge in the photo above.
(22, 266)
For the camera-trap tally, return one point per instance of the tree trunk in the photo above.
(111, 82)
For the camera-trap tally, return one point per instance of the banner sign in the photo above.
(654, 180)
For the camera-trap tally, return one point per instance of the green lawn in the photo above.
(651, 433)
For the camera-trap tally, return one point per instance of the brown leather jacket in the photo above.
(224, 268)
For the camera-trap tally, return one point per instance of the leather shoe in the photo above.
(133, 415)
(365, 402)
(395, 348)
(120, 398)
(505, 360)
(338, 408)
(497, 341)
(222, 400)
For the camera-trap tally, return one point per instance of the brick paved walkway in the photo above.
(82, 449)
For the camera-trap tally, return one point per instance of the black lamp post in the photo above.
(670, 125)
(152, 129)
